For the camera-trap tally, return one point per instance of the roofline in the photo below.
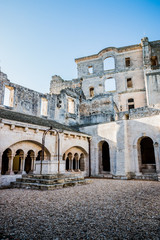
(121, 49)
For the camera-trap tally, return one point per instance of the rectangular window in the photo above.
(8, 96)
(131, 106)
(129, 83)
(44, 106)
(128, 62)
(90, 70)
(71, 106)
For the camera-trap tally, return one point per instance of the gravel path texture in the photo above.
(103, 209)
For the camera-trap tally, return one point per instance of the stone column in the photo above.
(23, 171)
(136, 162)
(0, 162)
(32, 164)
(157, 158)
(10, 165)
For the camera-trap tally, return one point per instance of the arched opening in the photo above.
(109, 63)
(148, 163)
(39, 156)
(91, 92)
(104, 157)
(69, 162)
(110, 85)
(5, 161)
(17, 161)
(81, 162)
(28, 161)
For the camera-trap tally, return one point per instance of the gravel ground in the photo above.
(104, 209)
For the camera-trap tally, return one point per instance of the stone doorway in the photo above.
(148, 164)
(104, 157)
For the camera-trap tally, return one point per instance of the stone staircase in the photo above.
(48, 182)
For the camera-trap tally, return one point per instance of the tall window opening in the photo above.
(90, 70)
(110, 85)
(109, 63)
(129, 83)
(44, 106)
(71, 105)
(8, 96)
(91, 92)
(128, 62)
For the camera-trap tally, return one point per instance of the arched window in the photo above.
(110, 85)
(130, 103)
(91, 92)
(109, 63)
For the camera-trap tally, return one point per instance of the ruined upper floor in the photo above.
(113, 81)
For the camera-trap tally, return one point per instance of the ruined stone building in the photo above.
(104, 123)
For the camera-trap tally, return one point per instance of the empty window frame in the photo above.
(91, 92)
(129, 83)
(130, 103)
(8, 96)
(128, 62)
(90, 70)
(71, 106)
(44, 106)
(110, 85)
(154, 61)
(109, 63)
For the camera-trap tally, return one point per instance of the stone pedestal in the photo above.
(48, 167)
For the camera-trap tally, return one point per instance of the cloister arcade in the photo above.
(75, 159)
(20, 158)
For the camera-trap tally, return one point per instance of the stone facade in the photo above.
(105, 120)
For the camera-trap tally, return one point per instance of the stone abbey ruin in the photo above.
(105, 123)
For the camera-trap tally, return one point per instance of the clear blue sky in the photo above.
(41, 38)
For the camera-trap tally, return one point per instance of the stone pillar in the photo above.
(10, 165)
(0, 162)
(157, 158)
(23, 171)
(136, 162)
(32, 164)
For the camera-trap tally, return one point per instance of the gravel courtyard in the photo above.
(104, 209)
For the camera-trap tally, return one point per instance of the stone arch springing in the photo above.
(6, 160)
(104, 157)
(146, 155)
